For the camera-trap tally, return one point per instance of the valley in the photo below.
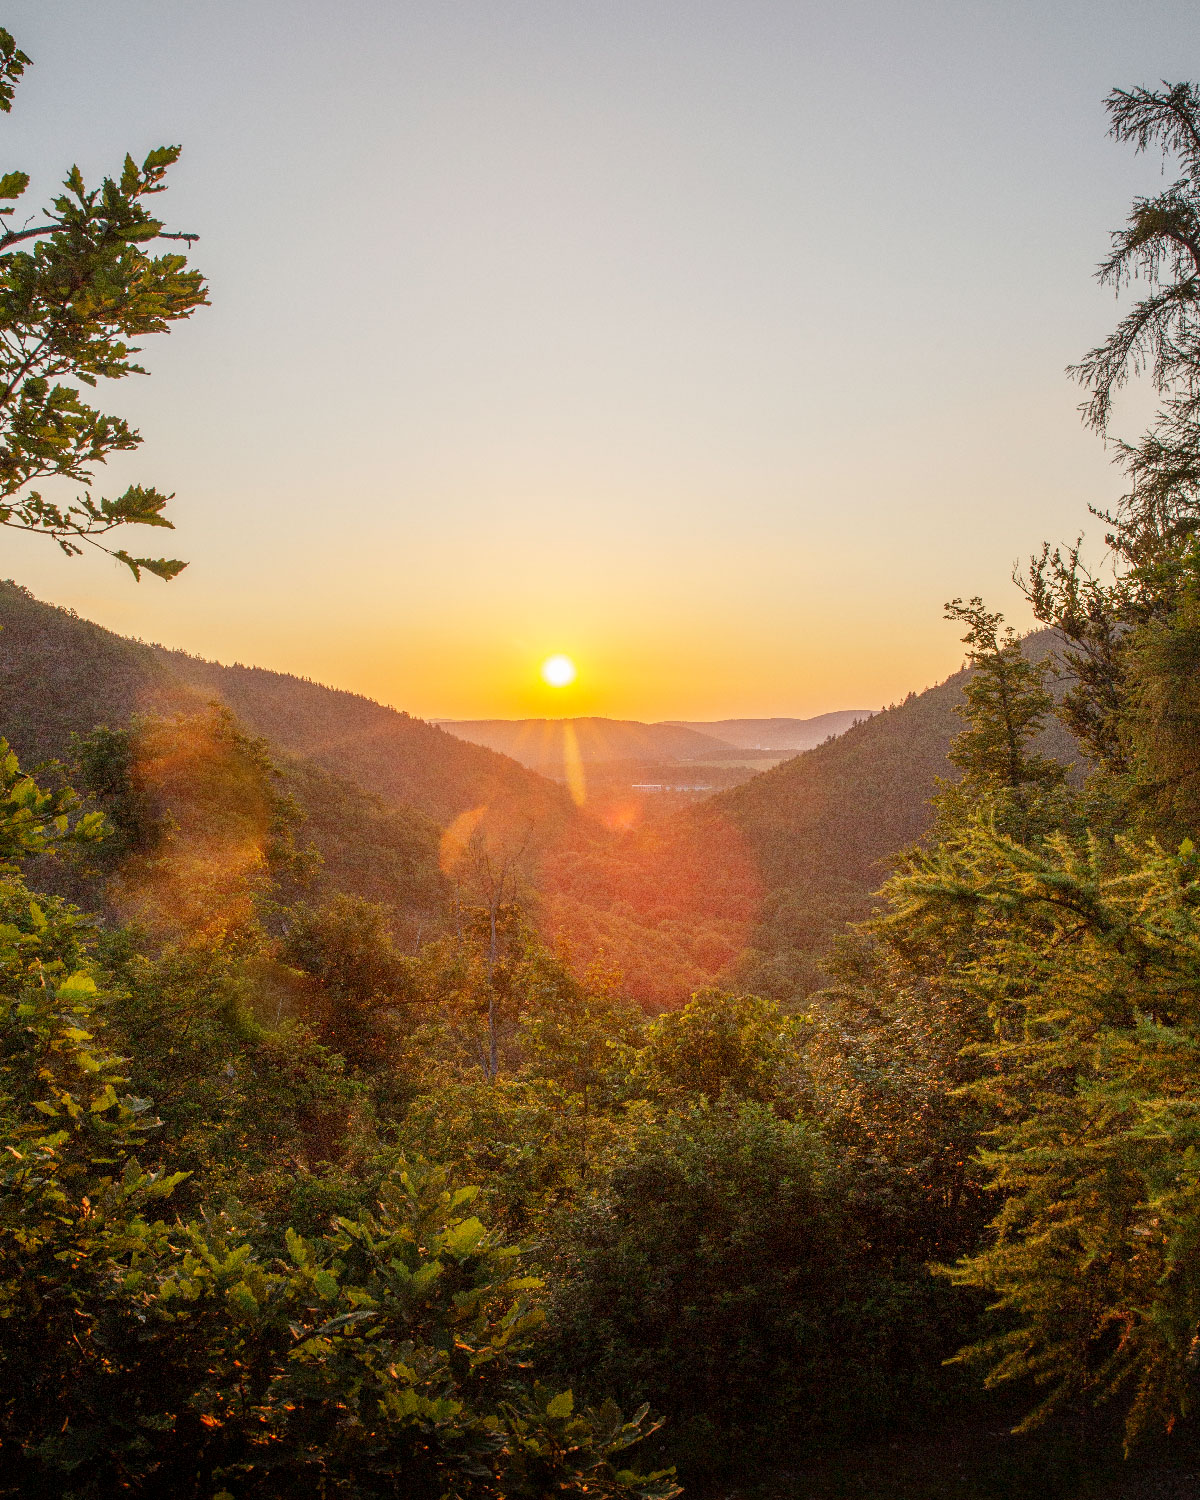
(736, 864)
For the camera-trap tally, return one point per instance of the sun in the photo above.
(558, 671)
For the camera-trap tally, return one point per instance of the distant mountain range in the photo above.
(783, 736)
(547, 745)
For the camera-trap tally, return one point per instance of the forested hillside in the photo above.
(756, 882)
(823, 829)
(386, 751)
(752, 883)
(61, 675)
(373, 788)
(781, 735)
(86, 675)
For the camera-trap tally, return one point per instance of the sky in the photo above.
(714, 345)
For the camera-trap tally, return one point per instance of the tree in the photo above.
(1131, 640)
(34, 821)
(1161, 245)
(727, 1265)
(202, 834)
(345, 946)
(76, 288)
(717, 1046)
(1088, 962)
(1085, 946)
(1006, 706)
(497, 938)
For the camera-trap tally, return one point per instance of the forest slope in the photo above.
(374, 786)
(60, 675)
(387, 751)
(822, 829)
(752, 885)
(782, 735)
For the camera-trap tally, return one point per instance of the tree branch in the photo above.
(14, 236)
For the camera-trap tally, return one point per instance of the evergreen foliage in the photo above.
(1006, 707)
(1082, 939)
(1089, 970)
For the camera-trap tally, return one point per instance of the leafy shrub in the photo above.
(145, 1355)
(723, 1270)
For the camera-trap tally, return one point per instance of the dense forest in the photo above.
(361, 1136)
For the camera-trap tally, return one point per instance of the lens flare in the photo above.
(558, 671)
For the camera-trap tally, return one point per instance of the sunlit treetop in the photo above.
(77, 286)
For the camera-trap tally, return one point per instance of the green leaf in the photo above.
(161, 567)
(425, 1274)
(561, 1406)
(243, 1299)
(464, 1237)
(78, 983)
(160, 158)
(523, 1283)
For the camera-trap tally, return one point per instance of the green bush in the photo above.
(724, 1270)
(147, 1355)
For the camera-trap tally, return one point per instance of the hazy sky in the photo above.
(714, 344)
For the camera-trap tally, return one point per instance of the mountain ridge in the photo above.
(88, 675)
(588, 739)
(785, 734)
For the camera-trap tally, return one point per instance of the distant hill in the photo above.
(780, 735)
(547, 744)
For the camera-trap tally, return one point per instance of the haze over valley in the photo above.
(606, 758)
